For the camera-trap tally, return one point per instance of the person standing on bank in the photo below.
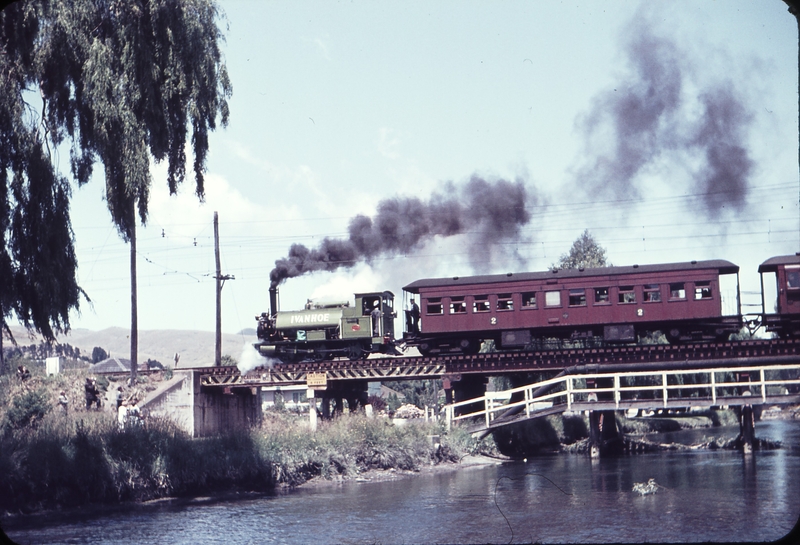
(63, 401)
(90, 390)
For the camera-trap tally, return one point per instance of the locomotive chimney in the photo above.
(273, 301)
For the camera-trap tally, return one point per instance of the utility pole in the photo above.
(134, 306)
(220, 282)
(794, 9)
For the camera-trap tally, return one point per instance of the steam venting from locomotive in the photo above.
(487, 212)
(664, 108)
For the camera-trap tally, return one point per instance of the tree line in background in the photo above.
(28, 355)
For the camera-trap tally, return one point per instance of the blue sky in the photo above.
(669, 130)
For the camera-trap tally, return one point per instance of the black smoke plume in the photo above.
(486, 212)
(663, 107)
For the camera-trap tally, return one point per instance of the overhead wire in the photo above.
(549, 215)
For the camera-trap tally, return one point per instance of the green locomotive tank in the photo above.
(325, 331)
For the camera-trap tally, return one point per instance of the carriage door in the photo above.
(388, 314)
(792, 289)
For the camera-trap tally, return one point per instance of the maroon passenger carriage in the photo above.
(784, 318)
(615, 304)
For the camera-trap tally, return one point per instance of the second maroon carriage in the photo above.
(697, 300)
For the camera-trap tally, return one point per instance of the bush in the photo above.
(27, 410)
(378, 403)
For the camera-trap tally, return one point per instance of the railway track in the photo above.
(639, 357)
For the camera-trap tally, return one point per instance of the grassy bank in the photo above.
(50, 459)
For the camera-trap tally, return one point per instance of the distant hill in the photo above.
(196, 348)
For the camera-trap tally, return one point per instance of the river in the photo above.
(706, 496)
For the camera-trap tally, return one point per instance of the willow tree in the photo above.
(122, 82)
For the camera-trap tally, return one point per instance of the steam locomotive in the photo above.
(687, 302)
(329, 330)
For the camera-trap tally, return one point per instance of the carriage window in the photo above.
(577, 298)
(481, 303)
(792, 279)
(457, 305)
(529, 299)
(652, 293)
(677, 291)
(435, 306)
(504, 302)
(626, 295)
(552, 298)
(702, 290)
(601, 295)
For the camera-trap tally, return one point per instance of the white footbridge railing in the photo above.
(757, 385)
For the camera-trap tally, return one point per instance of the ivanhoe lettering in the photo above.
(310, 318)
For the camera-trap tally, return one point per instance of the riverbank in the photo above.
(52, 459)
(467, 461)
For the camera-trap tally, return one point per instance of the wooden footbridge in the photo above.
(641, 390)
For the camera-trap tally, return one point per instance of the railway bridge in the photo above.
(600, 380)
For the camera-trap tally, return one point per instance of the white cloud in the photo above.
(388, 143)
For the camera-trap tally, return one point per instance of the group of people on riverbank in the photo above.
(127, 411)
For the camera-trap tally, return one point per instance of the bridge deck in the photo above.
(766, 352)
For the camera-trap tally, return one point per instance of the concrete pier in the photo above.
(203, 411)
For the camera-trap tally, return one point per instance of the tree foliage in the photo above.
(420, 393)
(121, 81)
(27, 410)
(99, 354)
(586, 252)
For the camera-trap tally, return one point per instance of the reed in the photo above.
(83, 457)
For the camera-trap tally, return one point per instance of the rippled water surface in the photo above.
(707, 496)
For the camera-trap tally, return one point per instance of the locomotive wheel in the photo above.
(356, 352)
(320, 353)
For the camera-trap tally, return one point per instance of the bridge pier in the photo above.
(747, 428)
(604, 437)
(332, 399)
(203, 411)
(463, 387)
